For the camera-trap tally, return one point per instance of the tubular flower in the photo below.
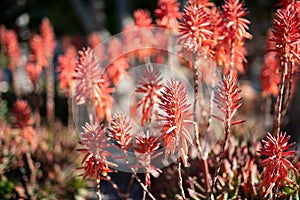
(276, 165)
(177, 118)
(236, 31)
(66, 69)
(195, 29)
(150, 84)
(48, 36)
(168, 13)
(119, 129)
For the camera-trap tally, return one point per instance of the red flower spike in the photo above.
(95, 140)
(168, 13)
(93, 167)
(173, 101)
(66, 69)
(38, 52)
(119, 129)
(150, 84)
(48, 36)
(12, 49)
(33, 71)
(195, 29)
(145, 146)
(95, 42)
(228, 100)
(286, 30)
(276, 165)
(92, 84)
(142, 18)
(22, 113)
(119, 63)
(235, 31)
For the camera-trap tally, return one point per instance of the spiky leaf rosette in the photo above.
(276, 164)
(149, 86)
(195, 29)
(175, 120)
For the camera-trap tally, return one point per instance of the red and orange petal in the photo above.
(48, 36)
(168, 13)
(142, 18)
(22, 113)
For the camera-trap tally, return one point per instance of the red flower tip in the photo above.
(228, 99)
(149, 86)
(48, 36)
(142, 18)
(168, 13)
(276, 165)
(177, 118)
(119, 129)
(22, 113)
(66, 69)
(195, 28)
(95, 167)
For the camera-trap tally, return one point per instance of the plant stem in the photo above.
(180, 179)
(50, 91)
(98, 188)
(279, 102)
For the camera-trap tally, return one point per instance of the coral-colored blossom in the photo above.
(12, 49)
(176, 119)
(276, 165)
